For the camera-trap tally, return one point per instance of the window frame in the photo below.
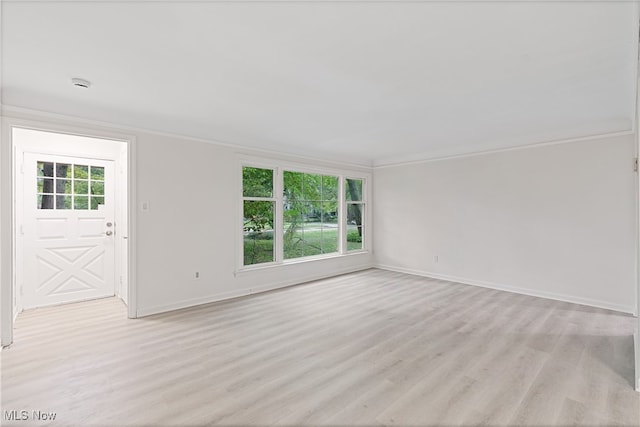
(322, 175)
(276, 222)
(278, 188)
(364, 204)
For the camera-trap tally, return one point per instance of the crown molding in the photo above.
(426, 158)
(367, 165)
(32, 114)
(314, 1)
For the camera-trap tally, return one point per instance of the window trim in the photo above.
(365, 215)
(338, 210)
(273, 199)
(279, 167)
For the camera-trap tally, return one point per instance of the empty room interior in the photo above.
(292, 213)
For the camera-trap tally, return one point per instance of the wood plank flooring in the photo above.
(373, 348)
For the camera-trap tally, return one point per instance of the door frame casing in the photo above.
(8, 220)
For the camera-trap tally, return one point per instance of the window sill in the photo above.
(261, 267)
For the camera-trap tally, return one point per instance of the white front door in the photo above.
(68, 229)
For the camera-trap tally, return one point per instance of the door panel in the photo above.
(68, 229)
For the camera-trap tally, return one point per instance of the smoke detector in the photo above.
(80, 82)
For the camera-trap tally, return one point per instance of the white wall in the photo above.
(192, 225)
(555, 221)
(192, 222)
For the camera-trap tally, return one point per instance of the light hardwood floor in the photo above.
(373, 348)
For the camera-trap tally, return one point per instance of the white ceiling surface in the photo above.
(371, 83)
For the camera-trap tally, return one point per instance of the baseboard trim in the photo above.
(222, 296)
(523, 291)
(192, 302)
(636, 337)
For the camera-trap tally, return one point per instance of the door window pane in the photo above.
(45, 169)
(96, 201)
(45, 185)
(81, 187)
(63, 170)
(67, 180)
(97, 172)
(97, 188)
(81, 202)
(63, 186)
(45, 201)
(81, 171)
(63, 202)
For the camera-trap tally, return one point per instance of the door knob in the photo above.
(109, 233)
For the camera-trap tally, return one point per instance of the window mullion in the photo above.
(279, 215)
(260, 199)
(363, 228)
(342, 227)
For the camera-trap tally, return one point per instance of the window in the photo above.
(290, 214)
(258, 215)
(310, 214)
(355, 214)
(69, 186)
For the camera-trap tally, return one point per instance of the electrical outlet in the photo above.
(435, 259)
(197, 274)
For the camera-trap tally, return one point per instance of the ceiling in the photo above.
(366, 82)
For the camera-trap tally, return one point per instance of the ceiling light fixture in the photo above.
(80, 82)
